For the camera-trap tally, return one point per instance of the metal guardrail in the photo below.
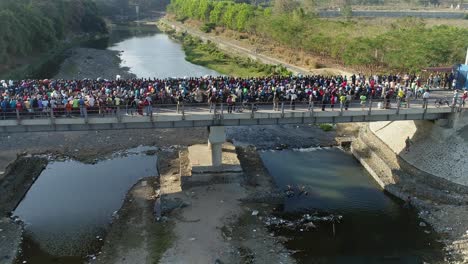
(219, 110)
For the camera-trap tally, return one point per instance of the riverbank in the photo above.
(92, 64)
(266, 52)
(441, 203)
(210, 56)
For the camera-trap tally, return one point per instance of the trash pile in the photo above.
(306, 222)
(292, 191)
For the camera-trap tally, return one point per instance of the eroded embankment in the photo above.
(441, 203)
(19, 176)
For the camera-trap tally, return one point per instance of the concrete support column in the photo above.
(215, 141)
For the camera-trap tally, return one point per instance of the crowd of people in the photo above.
(138, 96)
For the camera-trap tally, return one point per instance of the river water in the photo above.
(375, 228)
(69, 207)
(149, 53)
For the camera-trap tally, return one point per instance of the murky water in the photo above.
(376, 228)
(69, 207)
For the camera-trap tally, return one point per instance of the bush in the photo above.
(466, 16)
(208, 27)
(326, 127)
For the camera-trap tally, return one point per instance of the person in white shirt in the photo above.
(425, 96)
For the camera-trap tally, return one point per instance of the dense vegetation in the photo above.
(209, 55)
(29, 27)
(406, 45)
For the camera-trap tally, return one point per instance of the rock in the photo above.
(254, 212)
(422, 224)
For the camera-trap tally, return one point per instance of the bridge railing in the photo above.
(183, 109)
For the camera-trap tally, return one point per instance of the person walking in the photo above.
(455, 98)
(408, 96)
(425, 96)
(230, 103)
(363, 100)
(82, 105)
(212, 102)
(348, 101)
(276, 99)
(408, 143)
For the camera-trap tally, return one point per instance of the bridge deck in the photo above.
(166, 116)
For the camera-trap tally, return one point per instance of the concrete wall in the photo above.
(439, 151)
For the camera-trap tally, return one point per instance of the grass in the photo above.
(162, 237)
(210, 56)
(326, 127)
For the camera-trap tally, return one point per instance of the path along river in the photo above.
(68, 209)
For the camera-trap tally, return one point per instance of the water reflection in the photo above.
(375, 228)
(72, 203)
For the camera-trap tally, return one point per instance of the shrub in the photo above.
(208, 27)
(326, 127)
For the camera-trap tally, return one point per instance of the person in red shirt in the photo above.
(19, 105)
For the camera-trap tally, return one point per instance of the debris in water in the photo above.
(306, 222)
(192, 239)
(254, 213)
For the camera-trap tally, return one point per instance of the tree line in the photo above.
(407, 45)
(30, 27)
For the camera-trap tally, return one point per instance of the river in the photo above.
(69, 207)
(149, 53)
(375, 228)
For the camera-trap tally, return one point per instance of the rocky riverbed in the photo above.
(90, 146)
(92, 64)
(257, 202)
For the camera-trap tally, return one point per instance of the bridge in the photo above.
(216, 118)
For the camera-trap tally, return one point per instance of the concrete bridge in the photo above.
(199, 115)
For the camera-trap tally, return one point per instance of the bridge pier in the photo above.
(215, 142)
